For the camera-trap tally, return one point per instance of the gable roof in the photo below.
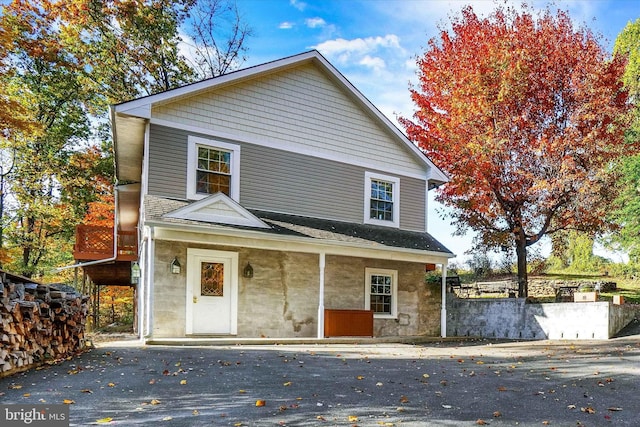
(129, 118)
(218, 208)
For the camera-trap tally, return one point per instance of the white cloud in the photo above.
(315, 22)
(300, 5)
(376, 63)
(343, 48)
(285, 25)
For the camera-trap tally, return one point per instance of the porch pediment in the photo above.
(218, 209)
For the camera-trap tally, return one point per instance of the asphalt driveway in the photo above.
(450, 383)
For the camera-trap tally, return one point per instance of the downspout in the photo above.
(443, 310)
(115, 240)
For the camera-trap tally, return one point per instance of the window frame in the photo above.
(394, 291)
(192, 166)
(369, 177)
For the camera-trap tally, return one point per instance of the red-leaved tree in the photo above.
(526, 113)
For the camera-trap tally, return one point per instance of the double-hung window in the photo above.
(213, 171)
(381, 200)
(381, 289)
(212, 167)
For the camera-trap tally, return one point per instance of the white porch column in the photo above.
(443, 310)
(321, 260)
(150, 266)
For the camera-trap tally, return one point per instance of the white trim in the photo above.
(188, 90)
(368, 272)
(192, 161)
(370, 176)
(261, 240)
(321, 264)
(150, 281)
(443, 308)
(285, 146)
(145, 163)
(192, 212)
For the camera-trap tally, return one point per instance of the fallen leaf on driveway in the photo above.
(614, 408)
(497, 414)
(104, 420)
(481, 422)
(287, 384)
(588, 410)
(183, 382)
(68, 401)
(86, 390)
(260, 402)
(352, 419)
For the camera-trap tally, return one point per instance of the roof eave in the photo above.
(319, 245)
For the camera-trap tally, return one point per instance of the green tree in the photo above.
(62, 63)
(627, 212)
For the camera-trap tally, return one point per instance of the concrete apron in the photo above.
(215, 341)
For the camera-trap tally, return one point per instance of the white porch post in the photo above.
(443, 310)
(321, 296)
(150, 265)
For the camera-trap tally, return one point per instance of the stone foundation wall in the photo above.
(281, 299)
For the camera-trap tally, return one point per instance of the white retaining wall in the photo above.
(514, 319)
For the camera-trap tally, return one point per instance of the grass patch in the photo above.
(628, 288)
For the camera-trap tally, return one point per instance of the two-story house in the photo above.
(269, 195)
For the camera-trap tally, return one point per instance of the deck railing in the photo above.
(94, 243)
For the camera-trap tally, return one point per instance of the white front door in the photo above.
(212, 292)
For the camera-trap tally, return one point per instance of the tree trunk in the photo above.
(521, 252)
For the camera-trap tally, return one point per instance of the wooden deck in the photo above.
(95, 243)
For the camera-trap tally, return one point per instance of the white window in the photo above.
(381, 292)
(212, 167)
(381, 199)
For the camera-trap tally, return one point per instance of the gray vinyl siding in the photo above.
(301, 107)
(281, 181)
(168, 162)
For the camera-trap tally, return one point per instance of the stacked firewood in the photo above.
(39, 323)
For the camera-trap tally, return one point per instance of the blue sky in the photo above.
(374, 43)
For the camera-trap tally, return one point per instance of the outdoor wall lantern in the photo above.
(248, 271)
(135, 272)
(175, 266)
